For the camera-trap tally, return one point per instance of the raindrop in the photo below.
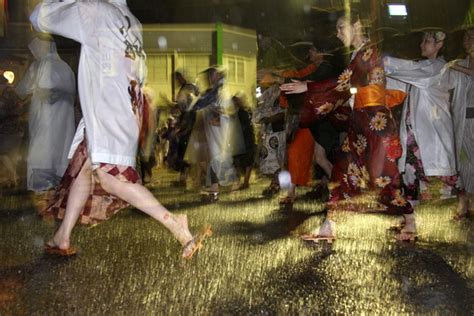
(307, 8)
(235, 46)
(162, 42)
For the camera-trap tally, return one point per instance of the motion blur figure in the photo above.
(12, 128)
(367, 158)
(426, 129)
(463, 115)
(102, 178)
(52, 86)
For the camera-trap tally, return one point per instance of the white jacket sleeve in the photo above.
(26, 86)
(418, 74)
(68, 18)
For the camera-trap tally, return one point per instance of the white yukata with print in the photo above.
(463, 115)
(428, 84)
(111, 70)
(52, 84)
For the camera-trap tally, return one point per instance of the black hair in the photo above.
(352, 15)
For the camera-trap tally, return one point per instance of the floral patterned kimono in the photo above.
(367, 157)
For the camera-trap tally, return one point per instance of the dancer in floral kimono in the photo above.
(463, 115)
(426, 129)
(101, 177)
(367, 158)
(302, 146)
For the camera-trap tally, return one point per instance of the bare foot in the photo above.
(59, 242)
(463, 208)
(398, 226)
(196, 243)
(183, 235)
(327, 231)
(408, 232)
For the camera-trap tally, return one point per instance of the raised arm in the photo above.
(71, 19)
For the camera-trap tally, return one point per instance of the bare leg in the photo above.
(463, 206)
(78, 195)
(138, 196)
(321, 159)
(248, 172)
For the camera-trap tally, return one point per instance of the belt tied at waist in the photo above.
(377, 95)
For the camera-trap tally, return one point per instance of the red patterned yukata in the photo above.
(367, 158)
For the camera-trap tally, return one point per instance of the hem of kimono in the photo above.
(440, 172)
(98, 158)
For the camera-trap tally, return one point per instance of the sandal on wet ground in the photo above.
(55, 250)
(271, 190)
(317, 238)
(462, 216)
(287, 200)
(209, 196)
(196, 243)
(407, 236)
(399, 226)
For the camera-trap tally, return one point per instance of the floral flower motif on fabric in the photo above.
(361, 144)
(377, 76)
(367, 54)
(378, 122)
(409, 176)
(393, 147)
(382, 182)
(344, 80)
(346, 145)
(398, 200)
(345, 178)
(325, 108)
(352, 169)
(365, 174)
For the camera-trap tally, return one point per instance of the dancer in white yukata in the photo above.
(463, 115)
(223, 136)
(101, 177)
(426, 130)
(52, 84)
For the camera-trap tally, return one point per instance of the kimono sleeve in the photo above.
(71, 19)
(322, 98)
(419, 74)
(26, 86)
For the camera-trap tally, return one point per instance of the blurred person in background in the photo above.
(463, 115)
(245, 161)
(12, 130)
(52, 86)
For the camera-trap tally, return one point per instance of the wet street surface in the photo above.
(253, 264)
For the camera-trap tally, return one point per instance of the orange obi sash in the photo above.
(377, 95)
